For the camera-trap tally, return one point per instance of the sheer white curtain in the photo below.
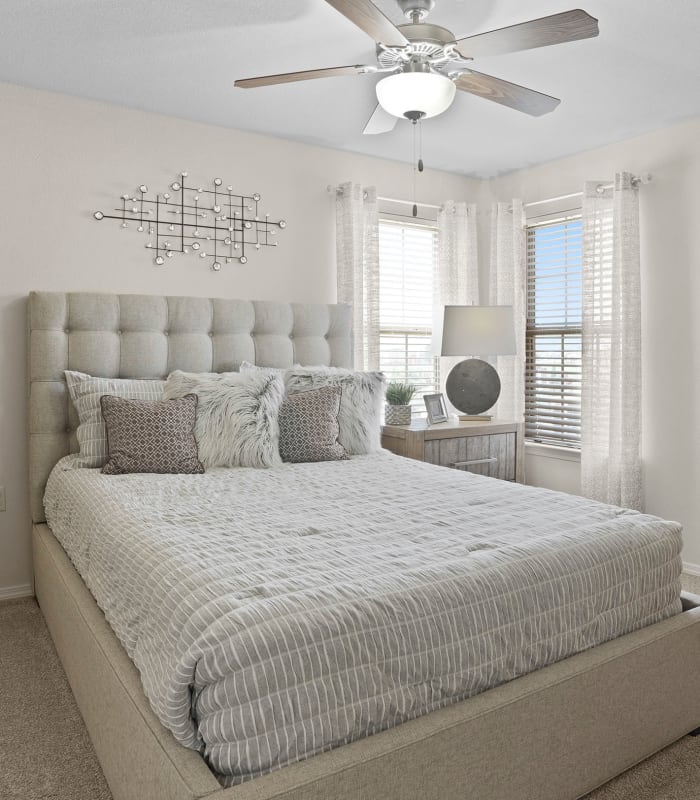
(611, 390)
(457, 272)
(508, 287)
(357, 257)
(456, 278)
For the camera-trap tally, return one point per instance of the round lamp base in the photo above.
(473, 386)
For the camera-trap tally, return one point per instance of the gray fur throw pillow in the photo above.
(237, 423)
(150, 436)
(309, 426)
(361, 402)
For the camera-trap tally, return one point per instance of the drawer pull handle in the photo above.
(475, 461)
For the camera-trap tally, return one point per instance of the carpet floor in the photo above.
(45, 752)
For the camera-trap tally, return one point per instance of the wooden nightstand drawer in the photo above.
(492, 455)
(493, 448)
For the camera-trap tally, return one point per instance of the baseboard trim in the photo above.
(691, 569)
(12, 592)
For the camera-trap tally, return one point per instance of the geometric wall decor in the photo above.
(215, 224)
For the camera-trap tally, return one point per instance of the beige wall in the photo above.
(62, 158)
(670, 256)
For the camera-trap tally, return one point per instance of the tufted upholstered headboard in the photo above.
(147, 336)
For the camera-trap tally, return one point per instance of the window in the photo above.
(407, 262)
(553, 332)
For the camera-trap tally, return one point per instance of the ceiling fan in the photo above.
(425, 63)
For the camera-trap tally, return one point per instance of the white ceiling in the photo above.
(180, 58)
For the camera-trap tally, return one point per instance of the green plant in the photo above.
(399, 394)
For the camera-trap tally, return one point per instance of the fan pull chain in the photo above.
(420, 145)
(415, 207)
(417, 162)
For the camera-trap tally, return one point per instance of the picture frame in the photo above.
(436, 408)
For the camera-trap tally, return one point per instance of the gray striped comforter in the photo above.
(277, 613)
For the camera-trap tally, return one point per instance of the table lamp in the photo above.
(473, 385)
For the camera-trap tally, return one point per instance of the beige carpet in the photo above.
(45, 753)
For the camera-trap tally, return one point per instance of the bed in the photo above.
(554, 733)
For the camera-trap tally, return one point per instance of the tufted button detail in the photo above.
(166, 333)
(119, 333)
(211, 334)
(67, 330)
(67, 430)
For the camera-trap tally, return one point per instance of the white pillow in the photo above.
(236, 423)
(361, 402)
(85, 392)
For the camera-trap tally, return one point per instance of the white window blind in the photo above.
(553, 332)
(407, 262)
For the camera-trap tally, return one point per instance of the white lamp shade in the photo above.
(429, 93)
(478, 331)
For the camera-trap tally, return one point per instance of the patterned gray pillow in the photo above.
(150, 436)
(309, 426)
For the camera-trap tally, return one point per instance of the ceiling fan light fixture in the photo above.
(404, 94)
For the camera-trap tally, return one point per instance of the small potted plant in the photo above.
(398, 396)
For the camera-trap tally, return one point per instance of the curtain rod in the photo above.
(553, 199)
(337, 190)
(636, 180)
(408, 203)
(388, 216)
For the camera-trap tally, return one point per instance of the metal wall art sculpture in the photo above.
(216, 224)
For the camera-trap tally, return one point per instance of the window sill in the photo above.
(552, 451)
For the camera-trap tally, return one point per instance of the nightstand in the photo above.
(487, 448)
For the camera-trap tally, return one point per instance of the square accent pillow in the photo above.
(85, 392)
(361, 402)
(150, 435)
(237, 423)
(309, 426)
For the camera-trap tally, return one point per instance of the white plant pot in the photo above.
(397, 415)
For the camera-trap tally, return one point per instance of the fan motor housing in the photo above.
(426, 41)
(427, 32)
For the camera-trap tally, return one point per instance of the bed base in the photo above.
(555, 734)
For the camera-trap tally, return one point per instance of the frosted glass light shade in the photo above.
(478, 331)
(429, 93)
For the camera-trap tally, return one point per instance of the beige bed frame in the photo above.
(552, 735)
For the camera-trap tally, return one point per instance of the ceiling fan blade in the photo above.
(306, 75)
(507, 94)
(371, 20)
(556, 29)
(381, 121)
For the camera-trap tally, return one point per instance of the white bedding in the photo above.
(277, 613)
